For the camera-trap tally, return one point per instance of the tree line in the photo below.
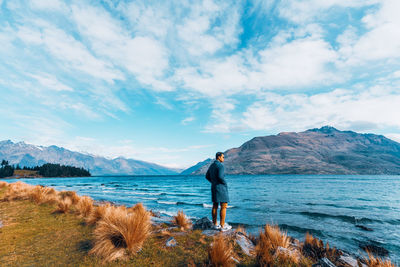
(46, 170)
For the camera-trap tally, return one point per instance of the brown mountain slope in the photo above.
(316, 151)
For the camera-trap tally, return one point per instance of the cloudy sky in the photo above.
(172, 83)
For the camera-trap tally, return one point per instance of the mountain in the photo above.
(31, 155)
(197, 167)
(315, 151)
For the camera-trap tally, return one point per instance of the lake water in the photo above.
(330, 207)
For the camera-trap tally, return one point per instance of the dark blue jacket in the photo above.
(216, 176)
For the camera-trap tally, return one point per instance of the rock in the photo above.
(1, 224)
(245, 244)
(285, 251)
(203, 224)
(156, 214)
(171, 242)
(235, 260)
(324, 262)
(160, 220)
(364, 227)
(210, 232)
(348, 260)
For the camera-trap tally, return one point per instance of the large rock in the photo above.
(203, 224)
(348, 260)
(245, 244)
(324, 262)
(171, 242)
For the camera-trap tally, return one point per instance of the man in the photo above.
(219, 191)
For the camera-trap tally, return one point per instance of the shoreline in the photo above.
(346, 256)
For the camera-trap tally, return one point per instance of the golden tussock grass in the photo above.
(63, 205)
(97, 213)
(72, 195)
(220, 252)
(181, 220)
(40, 194)
(138, 207)
(268, 243)
(120, 233)
(371, 261)
(84, 206)
(18, 191)
(315, 249)
(3, 184)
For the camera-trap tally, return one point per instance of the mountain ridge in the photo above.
(324, 150)
(31, 155)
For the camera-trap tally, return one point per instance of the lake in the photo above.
(335, 208)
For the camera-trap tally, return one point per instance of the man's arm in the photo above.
(221, 174)
(208, 175)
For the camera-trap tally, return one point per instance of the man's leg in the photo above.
(222, 214)
(214, 212)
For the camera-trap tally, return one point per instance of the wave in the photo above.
(204, 205)
(345, 218)
(302, 230)
(151, 194)
(167, 202)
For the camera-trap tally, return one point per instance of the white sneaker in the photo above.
(216, 227)
(226, 227)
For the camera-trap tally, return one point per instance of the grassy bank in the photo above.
(34, 235)
(43, 227)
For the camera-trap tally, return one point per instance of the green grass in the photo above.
(33, 235)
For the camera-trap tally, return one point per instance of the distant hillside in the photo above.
(31, 155)
(316, 151)
(196, 167)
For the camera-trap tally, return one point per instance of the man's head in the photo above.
(220, 156)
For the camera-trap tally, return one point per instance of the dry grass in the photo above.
(315, 249)
(3, 184)
(220, 252)
(181, 220)
(18, 191)
(120, 233)
(377, 262)
(40, 194)
(97, 213)
(268, 243)
(63, 206)
(84, 206)
(241, 229)
(137, 208)
(72, 195)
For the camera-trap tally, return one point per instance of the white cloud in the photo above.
(367, 110)
(393, 136)
(308, 10)
(380, 42)
(51, 82)
(143, 56)
(66, 48)
(187, 120)
(53, 5)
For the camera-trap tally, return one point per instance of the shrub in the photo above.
(220, 252)
(84, 206)
(63, 205)
(120, 233)
(181, 220)
(377, 262)
(268, 243)
(97, 213)
(315, 249)
(71, 195)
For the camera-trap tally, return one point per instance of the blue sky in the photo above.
(174, 82)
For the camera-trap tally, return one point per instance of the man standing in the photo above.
(219, 191)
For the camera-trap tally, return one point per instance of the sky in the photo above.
(173, 82)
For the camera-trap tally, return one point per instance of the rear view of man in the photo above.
(219, 191)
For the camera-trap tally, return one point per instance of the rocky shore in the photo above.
(138, 237)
